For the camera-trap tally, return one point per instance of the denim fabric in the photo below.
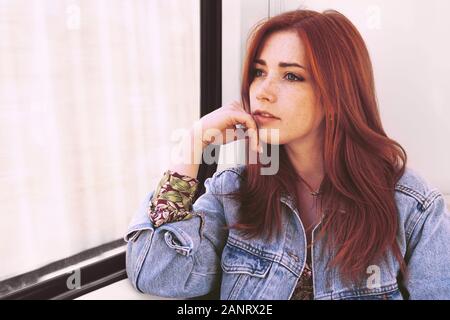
(193, 257)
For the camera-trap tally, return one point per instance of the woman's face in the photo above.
(286, 92)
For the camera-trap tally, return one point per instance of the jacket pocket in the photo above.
(173, 242)
(244, 273)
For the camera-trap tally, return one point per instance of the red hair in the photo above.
(362, 165)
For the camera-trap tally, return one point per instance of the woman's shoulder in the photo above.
(230, 175)
(414, 186)
(228, 179)
(232, 172)
(412, 189)
(417, 200)
(423, 212)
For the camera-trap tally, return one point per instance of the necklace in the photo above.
(311, 190)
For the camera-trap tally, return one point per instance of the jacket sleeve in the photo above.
(428, 255)
(178, 259)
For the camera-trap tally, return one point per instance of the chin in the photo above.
(271, 141)
(270, 136)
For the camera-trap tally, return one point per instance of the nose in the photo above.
(266, 91)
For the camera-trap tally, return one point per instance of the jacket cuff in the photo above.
(183, 236)
(172, 199)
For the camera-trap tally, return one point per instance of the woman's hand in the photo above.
(215, 125)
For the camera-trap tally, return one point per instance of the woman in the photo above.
(342, 218)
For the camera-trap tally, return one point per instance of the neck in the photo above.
(307, 159)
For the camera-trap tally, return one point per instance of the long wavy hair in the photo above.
(361, 163)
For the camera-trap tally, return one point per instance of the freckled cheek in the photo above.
(296, 123)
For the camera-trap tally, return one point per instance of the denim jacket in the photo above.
(194, 257)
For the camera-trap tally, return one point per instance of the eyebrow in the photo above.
(281, 64)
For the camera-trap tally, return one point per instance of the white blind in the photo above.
(90, 92)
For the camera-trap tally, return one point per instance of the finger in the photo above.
(247, 120)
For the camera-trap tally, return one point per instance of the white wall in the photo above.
(410, 59)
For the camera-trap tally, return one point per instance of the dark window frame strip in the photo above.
(210, 73)
(28, 285)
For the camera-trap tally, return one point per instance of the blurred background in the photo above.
(90, 91)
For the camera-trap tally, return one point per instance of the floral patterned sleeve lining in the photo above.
(172, 199)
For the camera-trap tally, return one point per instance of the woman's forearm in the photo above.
(192, 148)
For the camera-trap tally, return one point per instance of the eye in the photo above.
(294, 77)
(256, 72)
(291, 77)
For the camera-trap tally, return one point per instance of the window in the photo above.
(86, 112)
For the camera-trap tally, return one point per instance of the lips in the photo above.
(264, 118)
(264, 114)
